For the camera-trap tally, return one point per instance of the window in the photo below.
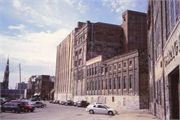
(130, 62)
(119, 65)
(99, 85)
(87, 85)
(102, 85)
(130, 17)
(109, 67)
(119, 82)
(95, 70)
(110, 83)
(92, 85)
(96, 85)
(124, 82)
(90, 88)
(136, 18)
(172, 14)
(136, 25)
(114, 66)
(92, 71)
(106, 84)
(136, 38)
(124, 64)
(130, 81)
(112, 99)
(130, 38)
(114, 83)
(87, 72)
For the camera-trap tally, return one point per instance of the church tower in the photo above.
(6, 76)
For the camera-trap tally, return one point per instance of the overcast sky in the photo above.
(31, 30)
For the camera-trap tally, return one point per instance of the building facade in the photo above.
(89, 41)
(64, 68)
(119, 82)
(163, 35)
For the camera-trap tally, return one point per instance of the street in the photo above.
(61, 112)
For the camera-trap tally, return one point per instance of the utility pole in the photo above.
(20, 78)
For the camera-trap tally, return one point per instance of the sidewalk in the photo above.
(131, 114)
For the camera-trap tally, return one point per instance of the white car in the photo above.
(100, 108)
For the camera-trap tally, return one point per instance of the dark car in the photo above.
(69, 102)
(13, 107)
(63, 102)
(26, 105)
(82, 104)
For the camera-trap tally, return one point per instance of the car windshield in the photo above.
(106, 106)
(26, 103)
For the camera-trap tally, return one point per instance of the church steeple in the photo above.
(6, 76)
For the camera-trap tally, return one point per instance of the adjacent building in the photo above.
(163, 33)
(95, 44)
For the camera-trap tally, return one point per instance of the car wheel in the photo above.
(110, 113)
(32, 110)
(3, 110)
(18, 111)
(42, 106)
(13, 111)
(37, 107)
(26, 110)
(91, 112)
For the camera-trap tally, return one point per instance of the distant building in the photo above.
(5, 82)
(23, 85)
(11, 93)
(40, 85)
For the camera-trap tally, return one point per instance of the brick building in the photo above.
(164, 57)
(88, 41)
(120, 81)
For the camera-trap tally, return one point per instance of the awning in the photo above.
(52, 91)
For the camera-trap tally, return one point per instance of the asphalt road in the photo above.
(55, 112)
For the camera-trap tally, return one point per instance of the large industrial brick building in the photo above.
(164, 57)
(92, 50)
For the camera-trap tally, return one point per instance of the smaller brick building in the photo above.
(121, 81)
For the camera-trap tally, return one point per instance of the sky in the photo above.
(31, 30)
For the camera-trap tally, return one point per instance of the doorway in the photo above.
(174, 95)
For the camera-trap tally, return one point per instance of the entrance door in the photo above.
(174, 81)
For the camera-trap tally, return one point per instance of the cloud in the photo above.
(20, 27)
(39, 14)
(17, 3)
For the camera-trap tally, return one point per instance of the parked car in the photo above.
(53, 102)
(63, 102)
(2, 102)
(50, 101)
(56, 102)
(13, 107)
(82, 104)
(26, 105)
(38, 104)
(69, 102)
(100, 108)
(74, 104)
